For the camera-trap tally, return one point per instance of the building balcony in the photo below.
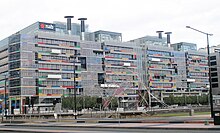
(120, 59)
(200, 88)
(57, 62)
(121, 73)
(162, 81)
(162, 68)
(64, 46)
(121, 81)
(160, 56)
(57, 87)
(122, 52)
(120, 65)
(57, 70)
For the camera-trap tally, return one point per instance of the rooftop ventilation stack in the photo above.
(159, 34)
(168, 38)
(82, 28)
(69, 23)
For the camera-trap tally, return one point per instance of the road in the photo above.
(11, 129)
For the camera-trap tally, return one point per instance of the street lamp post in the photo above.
(5, 96)
(74, 82)
(209, 65)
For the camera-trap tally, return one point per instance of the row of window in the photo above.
(159, 60)
(14, 56)
(15, 47)
(161, 85)
(14, 82)
(121, 77)
(64, 51)
(120, 56)
(58, 83)
(116, 62)
(15, 91)
(54, 41)
(56, 66)
(161, 53)
(49, 57)
(127, 49)
(63, 75)
(198, 68)
(115, 70)
(197, 57)
(52, 91)
(159, 72)
(162, 77)
(192, 85)
(201, 74)
(13, 65)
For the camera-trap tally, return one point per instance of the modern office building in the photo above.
(39, 65)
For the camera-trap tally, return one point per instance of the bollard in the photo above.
(191, 112)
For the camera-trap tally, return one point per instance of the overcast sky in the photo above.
(133, 18)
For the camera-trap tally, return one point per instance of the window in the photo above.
(14, 56)
(14, 39)
(212, 57)
(213, 69)
(214, 79)
(14, 82)
(215, 85)
(14, 74)
(214, 74)
(15, 47)
(213, 63)
(14, 65)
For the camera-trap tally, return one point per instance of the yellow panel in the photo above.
(39, 56)
(42, 94)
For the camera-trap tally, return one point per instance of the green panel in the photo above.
(13, 98)
(40, 91)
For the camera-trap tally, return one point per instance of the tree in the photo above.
(186, 100)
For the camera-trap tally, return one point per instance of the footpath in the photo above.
(198, 122)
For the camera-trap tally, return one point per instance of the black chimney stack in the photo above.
(168, 37)
(69, 23)
(82, 27)
(159, 34)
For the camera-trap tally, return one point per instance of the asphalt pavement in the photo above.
(197, 122)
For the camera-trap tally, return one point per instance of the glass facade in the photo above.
(183, 46)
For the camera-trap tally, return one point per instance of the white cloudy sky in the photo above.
(133, 18)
